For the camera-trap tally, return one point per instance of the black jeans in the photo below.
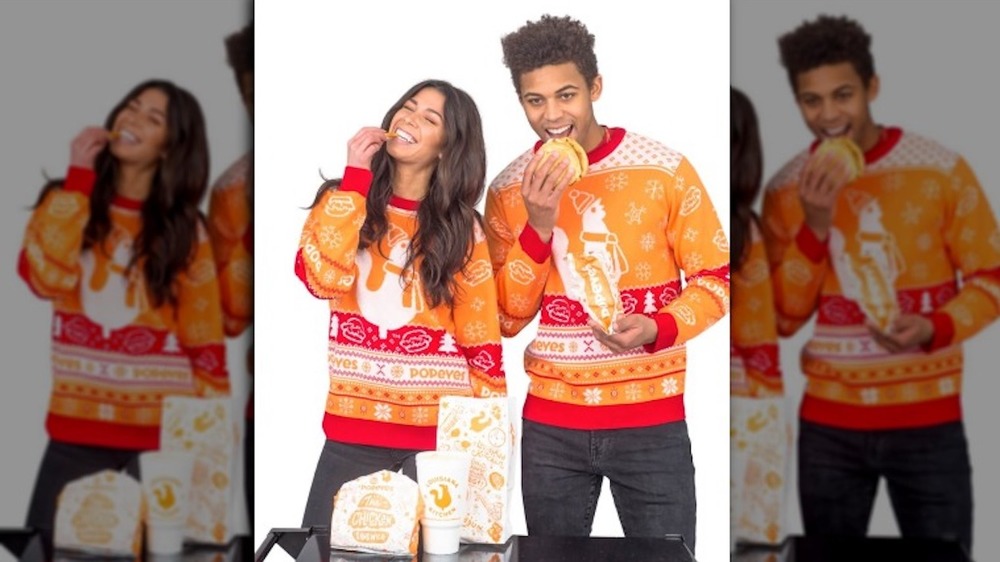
(927, 471)
(340, 463)
(61, 464)
(650, 471)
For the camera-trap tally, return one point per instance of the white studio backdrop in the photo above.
(324, 70)
(64, 66)
(935, 62)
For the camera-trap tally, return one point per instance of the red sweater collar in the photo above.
(126, 203)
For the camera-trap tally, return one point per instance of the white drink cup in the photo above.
(166, 483)
(443, 477)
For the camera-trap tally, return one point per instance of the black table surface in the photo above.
(798, 548)
(26, 546)
(313, 545)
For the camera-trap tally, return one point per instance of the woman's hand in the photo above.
(363, 146)
(86, 146)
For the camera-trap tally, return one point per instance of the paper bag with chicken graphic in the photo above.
(205, 427)
(481, 426)
(759, 443)
(101, 514)
(379, 512)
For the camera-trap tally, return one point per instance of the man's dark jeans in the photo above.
(649, 468)
(927, 471)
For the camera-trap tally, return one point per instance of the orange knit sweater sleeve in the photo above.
(973, 243)
(477, 329)
(199, 321)
(701, 250)
(799, 261)
(228, 223)
(329, 242)
(50, 255)
(520, 260)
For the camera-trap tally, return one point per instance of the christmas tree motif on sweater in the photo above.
(109, 297)
(448, 344)
(867, 270)
(597, 239)
(388, 296)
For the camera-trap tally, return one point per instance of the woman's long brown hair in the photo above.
(170, 215)
(745, 173)
(447, 216)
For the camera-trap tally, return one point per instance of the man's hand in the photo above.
(542, 188)
(822, 179)
(907, 333)
(630, 332)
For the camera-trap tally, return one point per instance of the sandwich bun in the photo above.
(847, 151)
(568, 148)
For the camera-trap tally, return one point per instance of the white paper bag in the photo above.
(481, 426)
(759, 446)
(207, 428)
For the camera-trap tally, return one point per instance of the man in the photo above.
(879, 259)
(230, 222)
(601, 405)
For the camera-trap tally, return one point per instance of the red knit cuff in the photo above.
(80, 180)
(808, 244)
(666, 333)
(944, 331)
(532, 244)
(356, 179)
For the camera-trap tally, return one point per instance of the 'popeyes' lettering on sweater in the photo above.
(114, 355)
(391, 356)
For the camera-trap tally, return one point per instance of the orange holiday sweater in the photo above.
(642, 209)
(114, 354)
(755, 371)
(391, 356)
(230, 225)
(913, 235)
(231, 228)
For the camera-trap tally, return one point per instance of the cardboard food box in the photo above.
(101, 514)
(379, 512)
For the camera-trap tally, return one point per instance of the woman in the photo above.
(120, 249)
(759, 432)
(397, 248)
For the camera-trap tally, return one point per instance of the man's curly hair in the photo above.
(550, 40)
(239, 51)
(827, 40)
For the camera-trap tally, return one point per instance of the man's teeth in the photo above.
(835, 132)
(557, 132)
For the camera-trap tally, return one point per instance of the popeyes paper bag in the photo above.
(481, 426)
(760, 441)
(101, 514)
(379, 512)
(207, 428)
